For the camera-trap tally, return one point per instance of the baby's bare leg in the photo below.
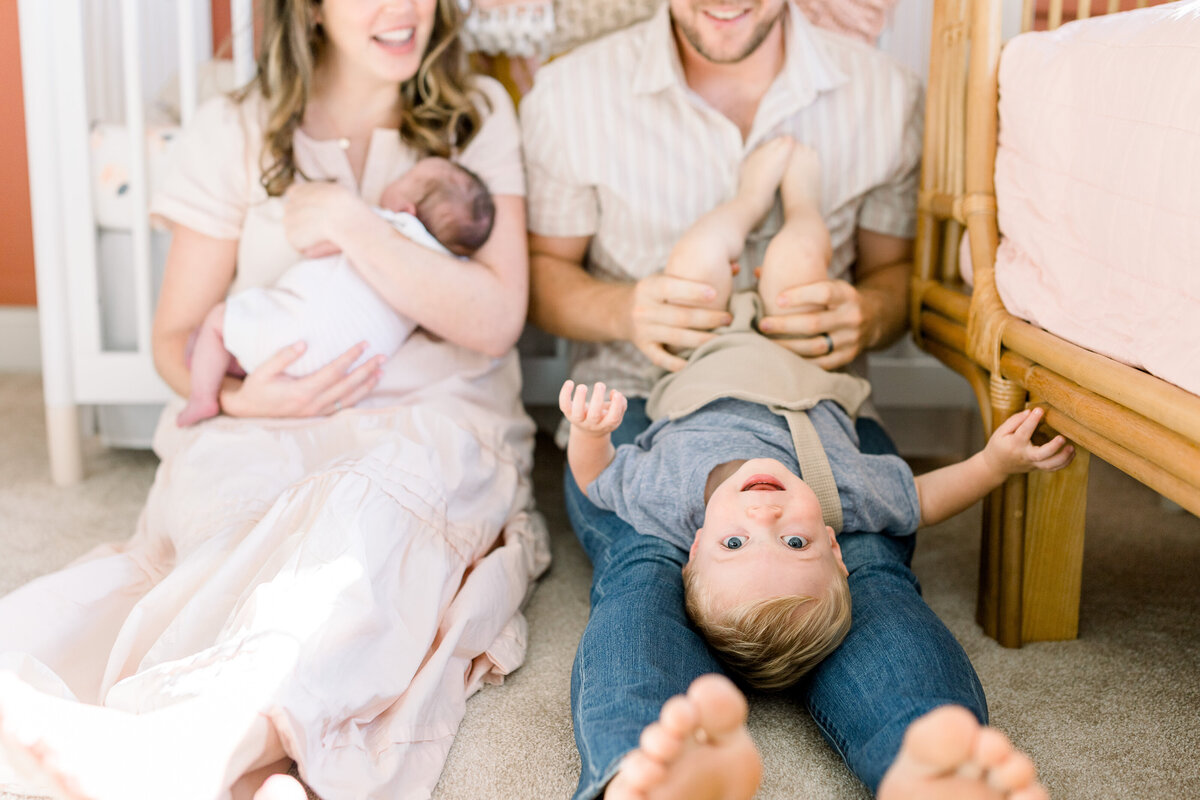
(706, 250)
(210, 362)
(799, 253)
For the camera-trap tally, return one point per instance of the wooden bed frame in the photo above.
(1032, 546)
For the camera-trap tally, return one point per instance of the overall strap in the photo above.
(814, 465)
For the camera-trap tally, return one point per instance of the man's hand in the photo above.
(831, 327)
(600, 417)
(1011, 450)
(664, 316)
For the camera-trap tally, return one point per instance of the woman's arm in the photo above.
(478, 303)
(198, 273)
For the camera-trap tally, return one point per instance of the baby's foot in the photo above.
(90, 752)
(761, 174)
(698, 750)
(281, 787)
(948, 755)
(197, 411)
(801, 184)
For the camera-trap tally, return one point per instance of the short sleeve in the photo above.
(879, 494)
(559, 203)
(494, 154)
(891, 207)
(206, 184)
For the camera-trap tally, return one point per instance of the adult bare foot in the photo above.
(948, 755)
(698, 750)
(87, 752)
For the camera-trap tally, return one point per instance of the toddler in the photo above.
(324, 302)
(752, 464)
(764, 581)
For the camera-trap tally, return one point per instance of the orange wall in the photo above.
(16, 232)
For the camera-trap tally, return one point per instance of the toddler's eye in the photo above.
(733, 542)
(795, 542)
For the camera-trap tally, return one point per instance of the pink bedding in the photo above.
(1098, 186)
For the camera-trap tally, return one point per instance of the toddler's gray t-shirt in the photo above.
(657, 483)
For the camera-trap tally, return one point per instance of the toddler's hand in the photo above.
(1011, 449)
(599, 417)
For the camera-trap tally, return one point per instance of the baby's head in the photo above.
(765, 583)
(451, 201)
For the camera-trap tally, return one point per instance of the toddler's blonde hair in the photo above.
(771, 643)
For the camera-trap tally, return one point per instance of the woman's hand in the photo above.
(270, 392)
(310, 214)
(832, 328)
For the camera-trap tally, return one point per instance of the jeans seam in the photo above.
(831, 734)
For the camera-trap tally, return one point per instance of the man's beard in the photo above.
(756, 38)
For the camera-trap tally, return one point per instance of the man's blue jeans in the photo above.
(898, 661)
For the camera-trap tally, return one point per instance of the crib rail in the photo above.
(78, 369)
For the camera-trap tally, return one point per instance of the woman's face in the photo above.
(376, 40)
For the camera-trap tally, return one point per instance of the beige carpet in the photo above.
(1115, 714)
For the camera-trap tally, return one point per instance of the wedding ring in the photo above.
(828, 341)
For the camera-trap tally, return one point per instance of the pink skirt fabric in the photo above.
(355, 577)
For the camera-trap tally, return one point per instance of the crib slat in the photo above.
(186, 14)
(241, 14)
(1027, 16)
(1085, 9)
(77, 216)
(135, 123)
(1114, 6)
(1054, 19)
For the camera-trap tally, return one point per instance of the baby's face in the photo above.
(764, 536)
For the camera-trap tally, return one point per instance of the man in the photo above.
(629, 140)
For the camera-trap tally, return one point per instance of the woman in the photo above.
(326, 571)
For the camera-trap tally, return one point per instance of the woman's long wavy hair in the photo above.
(437, 112)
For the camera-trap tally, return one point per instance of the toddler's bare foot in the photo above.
(197, 411)
(760, 176)
(90, 752)
(801, 184)
(281, 787)
(698, 750)
(948, 755)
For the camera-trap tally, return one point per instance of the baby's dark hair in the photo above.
(459, 211)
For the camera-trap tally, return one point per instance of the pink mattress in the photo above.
(1098, 186)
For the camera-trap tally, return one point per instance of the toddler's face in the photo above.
(764, 536)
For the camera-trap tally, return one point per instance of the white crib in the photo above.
(89, 61)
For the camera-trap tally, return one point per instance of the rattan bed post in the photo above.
(999, 600)
(927, 245)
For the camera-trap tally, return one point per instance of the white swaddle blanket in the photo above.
(324, 303)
